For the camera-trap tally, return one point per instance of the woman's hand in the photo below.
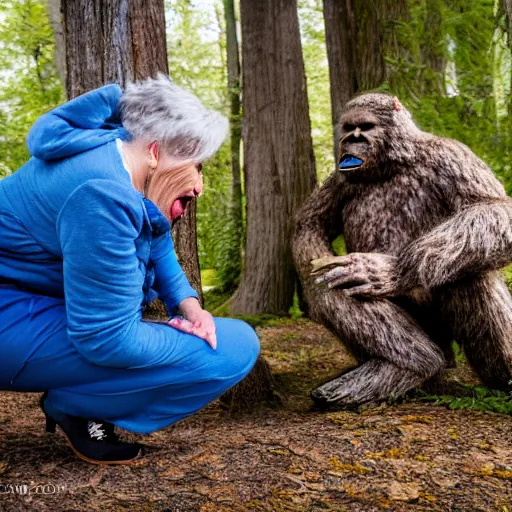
(197, 321)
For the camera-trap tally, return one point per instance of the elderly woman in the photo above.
(85, 244)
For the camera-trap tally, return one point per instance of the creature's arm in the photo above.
(476, 238)
(318, 222)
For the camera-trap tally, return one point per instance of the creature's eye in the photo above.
(366, 126)
(349, 127)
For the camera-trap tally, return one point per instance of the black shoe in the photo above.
(92, 440)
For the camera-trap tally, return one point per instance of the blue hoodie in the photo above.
(73, 226)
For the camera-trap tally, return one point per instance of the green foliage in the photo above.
(507, 274)
(214, 300)
(472, 86)
(338, 246)
(208, 277)
(30, 84)
(481, 399)
(317, 74)
(460, 357)
(295, 311)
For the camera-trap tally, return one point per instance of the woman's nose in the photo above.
(198, 189)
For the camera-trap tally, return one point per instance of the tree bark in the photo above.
(433, 50)
(356, 42)
(120, 41)
(55, 16)
(236, 212)
(340, 37)
(278, 152)
(506, 8)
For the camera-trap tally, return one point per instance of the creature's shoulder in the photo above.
(450, 151)
(453, 163)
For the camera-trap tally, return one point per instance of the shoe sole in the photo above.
(100, 462)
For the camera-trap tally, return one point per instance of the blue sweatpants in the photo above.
(37, 355)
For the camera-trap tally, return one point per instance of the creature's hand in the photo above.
(365, 274)
(197, 321)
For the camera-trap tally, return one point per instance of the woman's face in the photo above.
(173, 184)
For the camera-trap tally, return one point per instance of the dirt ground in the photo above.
(405, 457)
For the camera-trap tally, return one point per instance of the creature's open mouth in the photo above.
(349, 162)
(179, 207)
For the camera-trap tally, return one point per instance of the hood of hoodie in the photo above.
(84, 123)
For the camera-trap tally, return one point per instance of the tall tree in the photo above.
(278, 152)
(357, 34)
(502, 78)
(232, 269)
(317, 73)
(118, 41)
(29, 82)
(340, 40)
(505, 7)
(55, 18)
(433, 49)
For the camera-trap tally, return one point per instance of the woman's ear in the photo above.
(153, 154)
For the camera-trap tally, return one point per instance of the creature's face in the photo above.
(360, 134)
(375, 131)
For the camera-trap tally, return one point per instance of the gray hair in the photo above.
(159, 110)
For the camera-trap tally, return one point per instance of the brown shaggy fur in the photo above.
(426, 224)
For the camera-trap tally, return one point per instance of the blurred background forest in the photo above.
(449, 62)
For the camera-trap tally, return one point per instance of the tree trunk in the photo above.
(236, 214)
(340, 36)
(119, 41)
(278, 152)
(356, 44)
(55, 16)
(433, 50)
(506, 8)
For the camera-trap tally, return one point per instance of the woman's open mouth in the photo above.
(179, 207)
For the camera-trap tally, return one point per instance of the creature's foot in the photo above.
(373, 382)
(339, 393)
(336, 394)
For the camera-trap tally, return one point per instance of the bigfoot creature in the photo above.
(426, 225)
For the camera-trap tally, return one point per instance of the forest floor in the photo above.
(412, 456)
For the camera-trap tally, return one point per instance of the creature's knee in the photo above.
(433, 364)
